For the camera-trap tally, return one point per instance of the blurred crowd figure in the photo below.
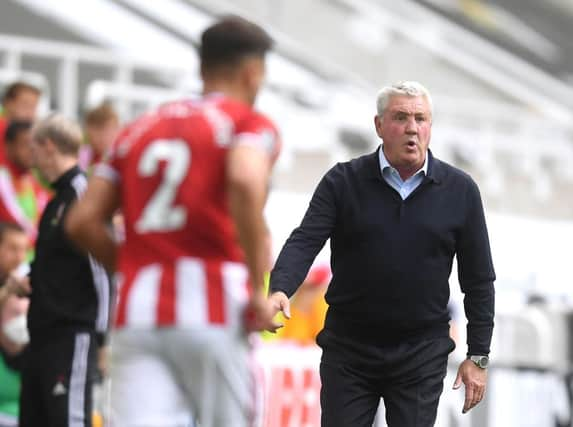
(22, 195)
(22, 199)
(69, 294)
(101, 128)
(13, 325)
(14, 245)
(38, 161)
(13, 338)
(19, 102)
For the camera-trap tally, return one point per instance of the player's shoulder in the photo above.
(244, 115)
(256, 116)
(132, 132)
(137, 131)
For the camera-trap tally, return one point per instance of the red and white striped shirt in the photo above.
(181, 263)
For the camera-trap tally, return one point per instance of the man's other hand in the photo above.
(474, 378)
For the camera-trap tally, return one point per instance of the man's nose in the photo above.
(411, 127)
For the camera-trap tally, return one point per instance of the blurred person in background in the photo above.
(192, 265)
(19, 102)
(101, 128)
(22, 198)
(13, 338)
(69, 294)
(14, 245)
(395, 218)
(13, 324)
(308, 308)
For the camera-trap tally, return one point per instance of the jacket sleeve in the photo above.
(306, 241)
(476, 275)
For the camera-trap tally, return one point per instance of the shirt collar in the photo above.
(385, 164)
(64, 180)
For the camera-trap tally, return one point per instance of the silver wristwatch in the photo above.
(480, 361)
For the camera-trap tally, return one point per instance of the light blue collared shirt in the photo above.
(392, 177)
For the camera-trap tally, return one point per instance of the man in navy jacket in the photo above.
(395, 219)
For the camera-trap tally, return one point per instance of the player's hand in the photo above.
(474, 378)
(259, 314)
(18, 285)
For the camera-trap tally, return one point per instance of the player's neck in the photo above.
(228, 89)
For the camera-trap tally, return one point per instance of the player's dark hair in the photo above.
(230, 40)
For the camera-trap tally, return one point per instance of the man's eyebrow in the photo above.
(400, 111)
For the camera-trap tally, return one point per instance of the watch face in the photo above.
(481, 361)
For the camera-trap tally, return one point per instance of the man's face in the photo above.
(13, 248)
(23, 106)
(40, 155)
(102, 137)
(21, 150)
(405, 127)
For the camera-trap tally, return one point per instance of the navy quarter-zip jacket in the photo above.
(391, 258)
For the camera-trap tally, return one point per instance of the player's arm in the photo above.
(87, 223)
(248, 170)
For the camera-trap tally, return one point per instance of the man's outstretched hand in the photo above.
(260, 313)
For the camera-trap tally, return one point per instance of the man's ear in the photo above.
(253, 72)
(378, 125)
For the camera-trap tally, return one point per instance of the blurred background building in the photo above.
(501, 76)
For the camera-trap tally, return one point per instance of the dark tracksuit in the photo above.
(386, 330)
(68, 315)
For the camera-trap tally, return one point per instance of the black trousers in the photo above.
(57, 381)
(408, 376)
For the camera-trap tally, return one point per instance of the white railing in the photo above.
(70, 56)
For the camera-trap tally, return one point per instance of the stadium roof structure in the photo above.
(539, 32)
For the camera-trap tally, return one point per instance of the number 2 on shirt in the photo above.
(160, 214)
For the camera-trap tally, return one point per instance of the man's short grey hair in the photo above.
(63, 132)
(402, 88)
